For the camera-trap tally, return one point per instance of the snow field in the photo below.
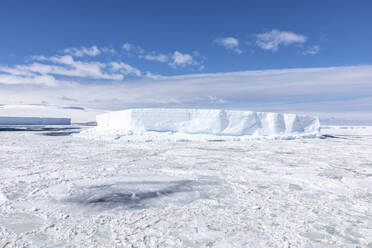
(72, 192)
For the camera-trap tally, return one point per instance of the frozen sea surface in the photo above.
(66, 191)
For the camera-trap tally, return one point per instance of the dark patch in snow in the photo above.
(69, 99)
(216, 140)
(294, 187)
(74, 107)
(59, 133)
(328, 136)
(136, 195)
(284, 153)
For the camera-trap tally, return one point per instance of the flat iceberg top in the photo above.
(75, 113)
(208, 121)
(5, 120)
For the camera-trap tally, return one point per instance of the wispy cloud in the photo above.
(127, 47)
(175, 59)
(133, 49)
(311, 50)
(12, 79)
(83, 51)
(45, 70)
(182, 59)
(125, 69)
(67, 66)
(71, 67)
(108, 50)
(155, 57)
(139, 52)
(271, 40)
(229, 43)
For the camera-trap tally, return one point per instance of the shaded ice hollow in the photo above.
(208, 121)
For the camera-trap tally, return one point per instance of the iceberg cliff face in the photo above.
(208, 121)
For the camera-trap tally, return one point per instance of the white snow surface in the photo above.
(2, 197)
(65, 191)
(205, 122)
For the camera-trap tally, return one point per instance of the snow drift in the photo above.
(208, 121)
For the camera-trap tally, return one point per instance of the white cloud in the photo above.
(83, 51)
(59, 69)
(229, 43)
(66, 59)
(140, 53)
(311, 50)
(9, 79)
(66, 67)
(273, 39)
(215, 100)
(132, 49)
(108, 50)
(156, 57)
(125, 68)
(39, 57)
(71, 68)
(182, 59)
(177, 59)
(15, 71)
(153, 76)
(127, 47)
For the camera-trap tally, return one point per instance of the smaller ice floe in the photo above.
(21, 223)
(200, 124)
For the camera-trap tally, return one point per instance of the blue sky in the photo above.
(53, 46)
(339, 28)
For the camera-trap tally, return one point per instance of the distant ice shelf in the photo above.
(77, 114)
(34, 121)
(208, 122)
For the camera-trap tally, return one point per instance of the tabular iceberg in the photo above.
(34, 121)
(208, 121)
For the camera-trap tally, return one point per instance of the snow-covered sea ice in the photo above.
(61, 191)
